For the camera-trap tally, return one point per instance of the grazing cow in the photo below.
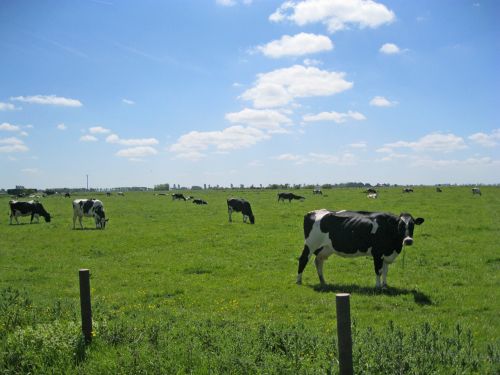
(67, 195)
(407, 190)
(372, 195)
(475, 191)
(240, 205)
(371, 191)
(121, 193)
(289, 196)
(108, 194)
(439, 190)
(199, 201)
(356, 233)
(178, 196)
(317, 191)
(89, 208)
(31, 208)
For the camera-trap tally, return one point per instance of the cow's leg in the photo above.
(304, 258)
(318, 261)
(80, 221)
(378, 264)
(32, 216)
(385, 269)
(230, 211)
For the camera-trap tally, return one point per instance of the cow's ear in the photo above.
(419, 220)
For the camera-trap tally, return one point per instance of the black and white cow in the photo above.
(67, 195)
(31, 208)
(317, 191)
(199, 201)
(178, 196)
(475, 191)
(371, 191)
(89, 208)
(240, 205)
(439, 190)
(407, 190)
(289, 196)
(356, 233)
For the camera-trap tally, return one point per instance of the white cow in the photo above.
(89, 208)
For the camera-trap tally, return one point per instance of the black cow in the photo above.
(178, 196)
(317, 191)
(407, 190)
(356, 233)
(199, 201)
(31, 208)
(67, 195)
(439, 190)
(289, 196)
(240, 205)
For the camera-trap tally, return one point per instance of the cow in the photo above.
(240, 205)
(475, 191)
(438, 190)
(372, 195)
(356, 233)
(89, 208)
(178, 196)
(121, 193)
(67, 195)
(317, 191)
(371, 191)
(108, 194)
(30, 208)
(289, 196)
(407, 190)
(199, 201)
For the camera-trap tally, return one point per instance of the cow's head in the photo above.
(100, 217)
(47, 217)
(406, 224)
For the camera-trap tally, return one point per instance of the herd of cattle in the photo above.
(348, 234)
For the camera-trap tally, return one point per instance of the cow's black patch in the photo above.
(308, 223)
(87, 205)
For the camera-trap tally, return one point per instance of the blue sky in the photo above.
(197, 92)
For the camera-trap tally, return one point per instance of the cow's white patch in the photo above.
(374, 227)
(390, 258)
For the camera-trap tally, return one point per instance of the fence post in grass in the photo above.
(85, 304)
(344, 333)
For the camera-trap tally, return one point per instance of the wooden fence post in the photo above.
(85, 304)
(344, 333)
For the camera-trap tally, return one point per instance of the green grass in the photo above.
(161, 259)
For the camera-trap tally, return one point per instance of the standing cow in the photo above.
(240, 205)
(89, 208)
(31, 208)
(356, 233)
(476, 190)
(178, 196)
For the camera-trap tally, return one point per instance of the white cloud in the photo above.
(23, 133)
(113, 138)
(193, 144)
(9, 127)
(128, 101)
(7, 107)
(282, 86)
(88, 138)
(380, 101)
(317, 158)
(61, 127)
(389, 49)
(486, 140)
(12, 144)
(359, 145)
(436, 142)
(297, 45)
(443, 163)
(99, 130)
(335, 117)
(49, 100)
(335, 14)
(266, 119)
(136, 152)
(312, 62)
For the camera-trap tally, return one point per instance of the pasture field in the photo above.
(174, 279)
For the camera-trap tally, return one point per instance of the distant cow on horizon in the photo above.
(199, 201)
(317, 191)
(407, 190)
(289, 196)
(476, 191)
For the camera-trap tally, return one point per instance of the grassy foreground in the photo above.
(178, 289)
